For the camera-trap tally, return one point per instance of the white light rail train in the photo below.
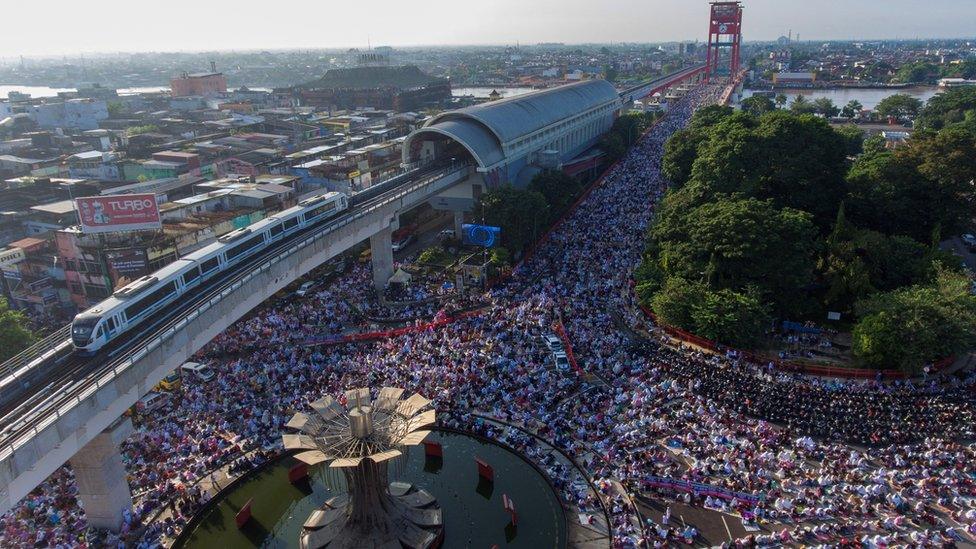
(129, 306)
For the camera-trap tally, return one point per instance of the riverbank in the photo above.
(868, 97)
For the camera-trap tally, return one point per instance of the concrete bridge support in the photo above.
(102, 487)
(381, 248)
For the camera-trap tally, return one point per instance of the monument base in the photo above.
(409, 517)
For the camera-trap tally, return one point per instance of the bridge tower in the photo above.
(724, 38)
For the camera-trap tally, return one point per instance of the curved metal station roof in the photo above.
(515, 117)
(484, 128)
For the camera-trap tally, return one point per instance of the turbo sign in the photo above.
(131, 212)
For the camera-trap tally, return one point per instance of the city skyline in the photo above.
(221, 26)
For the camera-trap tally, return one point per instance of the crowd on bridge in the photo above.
(813, 462)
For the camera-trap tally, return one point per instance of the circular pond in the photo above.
(472, 509)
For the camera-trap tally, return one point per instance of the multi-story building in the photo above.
(202, 84)
(95, 264)
(73, 114)
(394, 88)
(32, 278)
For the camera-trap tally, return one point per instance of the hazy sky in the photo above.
(71, 27)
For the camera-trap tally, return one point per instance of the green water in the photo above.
(472, 512)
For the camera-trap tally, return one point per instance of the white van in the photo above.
(195, 370)
(152, 401)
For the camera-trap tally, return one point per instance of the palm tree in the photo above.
(852, 109)
(781, 100)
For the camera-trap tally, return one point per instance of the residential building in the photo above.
(198, 84)
(73, 114)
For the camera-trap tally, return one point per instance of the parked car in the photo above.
(304, 289)
(170, 382)
(552, 341)
(198, 371)
(403, 243)
(562, 361)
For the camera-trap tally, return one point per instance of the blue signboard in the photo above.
(480, 235)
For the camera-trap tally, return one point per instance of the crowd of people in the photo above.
(817, 462)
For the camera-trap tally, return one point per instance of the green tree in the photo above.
(853, 138)
(773, 159)
(115, 109)
(948, 157)
(757, 105)
(966, 69)
(614, 146)
(852, 109)
(917, 188)
(861, 262)
(559, 189)
(681, 149)
(735, 244)
(825, 107)
(899, 105)
(500, 257)
(874, 145)
(801, 105)
(14, 334)
(953, 106)
(781, 100)
(738, 319)
(680, 152)
(912, 326)
(434, 254)
(918, 73)
(674, 303)
(521, 214)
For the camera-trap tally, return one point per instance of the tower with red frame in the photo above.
(724, 38)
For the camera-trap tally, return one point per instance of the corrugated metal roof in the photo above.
(512, 118)
(473, 135)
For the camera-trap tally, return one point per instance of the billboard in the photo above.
(124, 212)
(479, 235)
(127, 263)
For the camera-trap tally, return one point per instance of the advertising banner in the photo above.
(124, 212)
(127, 263)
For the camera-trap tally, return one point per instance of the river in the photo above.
(869, 98)
(44, 91)
(482, 92)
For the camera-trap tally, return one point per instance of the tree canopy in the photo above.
(951, 107)
(758, 105)
(771, 157)
(14, 334)
(780, 215)
(917, 188)
(521, 214)
(559, 190)
(911, 326)
(899, 105)
(735, 244)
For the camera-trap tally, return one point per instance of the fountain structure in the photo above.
(363, 443)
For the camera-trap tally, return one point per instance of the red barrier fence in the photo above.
(385, 334)
(813, 370)
(570, 356)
